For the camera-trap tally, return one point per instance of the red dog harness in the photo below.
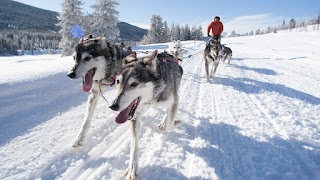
(171, 59)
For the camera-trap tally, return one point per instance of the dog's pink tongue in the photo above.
(124, 114)
(87, 84)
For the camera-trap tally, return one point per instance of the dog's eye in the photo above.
(118, 81)
(134, 84)
(87, 58)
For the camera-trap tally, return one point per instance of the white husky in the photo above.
(175, 49)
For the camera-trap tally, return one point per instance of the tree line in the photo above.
(159, 32)
(291, 24)
(19, 42)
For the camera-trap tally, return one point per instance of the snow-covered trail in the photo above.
(258, 119)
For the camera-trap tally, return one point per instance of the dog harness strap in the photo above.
(171, 59)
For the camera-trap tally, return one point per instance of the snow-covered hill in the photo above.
(258, 119)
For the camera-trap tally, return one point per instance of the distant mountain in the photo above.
(16, 15)
(130, 32)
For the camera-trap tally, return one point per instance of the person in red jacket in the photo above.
(216, 28)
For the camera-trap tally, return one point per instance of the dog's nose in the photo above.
(71, 75)
(114, 107)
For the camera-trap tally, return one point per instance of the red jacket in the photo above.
(216, 27)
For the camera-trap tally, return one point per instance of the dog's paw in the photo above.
(177, 123)
(171, 127)
(162, 126)
(131, 173)
(78, 142)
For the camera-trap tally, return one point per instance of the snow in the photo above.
(258, 119)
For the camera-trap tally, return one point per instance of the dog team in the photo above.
(142, 82)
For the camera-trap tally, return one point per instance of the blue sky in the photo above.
(239, 15)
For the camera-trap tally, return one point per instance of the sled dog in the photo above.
(96, 63)
(143, 82)
(211, 56)
(225, 53)
(175, 49)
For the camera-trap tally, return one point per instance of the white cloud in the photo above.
(243, 24)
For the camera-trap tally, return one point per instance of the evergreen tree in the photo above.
(193, 32)
(292, 24)
(166, 32)
(258, 32)
(105, 19)
(187, 31)
(233, 34)
(172, 33)
(69, 18)
(182, 34)
(87, 26)
(284, 25)
(156, 29)
(145, 40)
(178, 32)
(199, 33)
(269, 30)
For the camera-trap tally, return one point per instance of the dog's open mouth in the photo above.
(88, 80)
(128, 112)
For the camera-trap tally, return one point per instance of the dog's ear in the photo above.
(103, 42)
(149, 60)
(85, 38)
(81, 40)
(129, 60)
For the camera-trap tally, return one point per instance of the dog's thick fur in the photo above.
(211, 56)
(151, 80)
(96, 62)
(225, 53)
(175, 49)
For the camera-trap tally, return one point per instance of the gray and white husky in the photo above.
(96, 63)
(212, 56)
(146, 81)
(225, 53)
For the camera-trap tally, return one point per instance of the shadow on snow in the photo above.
(27, 104)
(251, 86)
(257, 70)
